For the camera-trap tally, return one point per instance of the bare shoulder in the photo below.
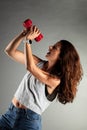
(52, 88)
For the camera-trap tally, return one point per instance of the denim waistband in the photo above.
(23, 111)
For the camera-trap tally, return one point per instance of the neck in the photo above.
(48, 65)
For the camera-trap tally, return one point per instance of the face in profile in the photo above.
(53, 52)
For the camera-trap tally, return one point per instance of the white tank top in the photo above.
(31, 93)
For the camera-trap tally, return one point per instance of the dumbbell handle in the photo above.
(27, 24)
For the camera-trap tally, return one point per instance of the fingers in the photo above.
(24, 32)
(35, 29)
(32, 33)
(31, 29)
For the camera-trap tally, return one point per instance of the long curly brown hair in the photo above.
(68, 68)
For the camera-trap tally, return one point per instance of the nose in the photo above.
(50, 47)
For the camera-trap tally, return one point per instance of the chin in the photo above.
(47, 57)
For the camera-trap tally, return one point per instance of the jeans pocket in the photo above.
(32, 115)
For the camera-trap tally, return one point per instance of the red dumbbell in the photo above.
(27, 24)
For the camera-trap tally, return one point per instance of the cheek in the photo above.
(56, 55)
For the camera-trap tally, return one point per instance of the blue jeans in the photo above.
(20, 119)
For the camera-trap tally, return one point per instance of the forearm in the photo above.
(29, 62)
(13, 45)
(33, 33)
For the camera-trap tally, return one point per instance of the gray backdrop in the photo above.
(57, 19)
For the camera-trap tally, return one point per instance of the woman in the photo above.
(44, 81)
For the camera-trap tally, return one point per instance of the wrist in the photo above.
(27, 41)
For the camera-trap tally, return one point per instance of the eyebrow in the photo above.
(56, 46)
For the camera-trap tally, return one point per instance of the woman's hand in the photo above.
(32, 33)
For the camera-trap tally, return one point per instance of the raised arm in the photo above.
(17, 55)
(12, 49)
(43, 76)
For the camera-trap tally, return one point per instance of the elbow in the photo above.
(7, 51)
(30, 68)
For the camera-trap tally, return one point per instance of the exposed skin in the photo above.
(30, 60)
(57, 72)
